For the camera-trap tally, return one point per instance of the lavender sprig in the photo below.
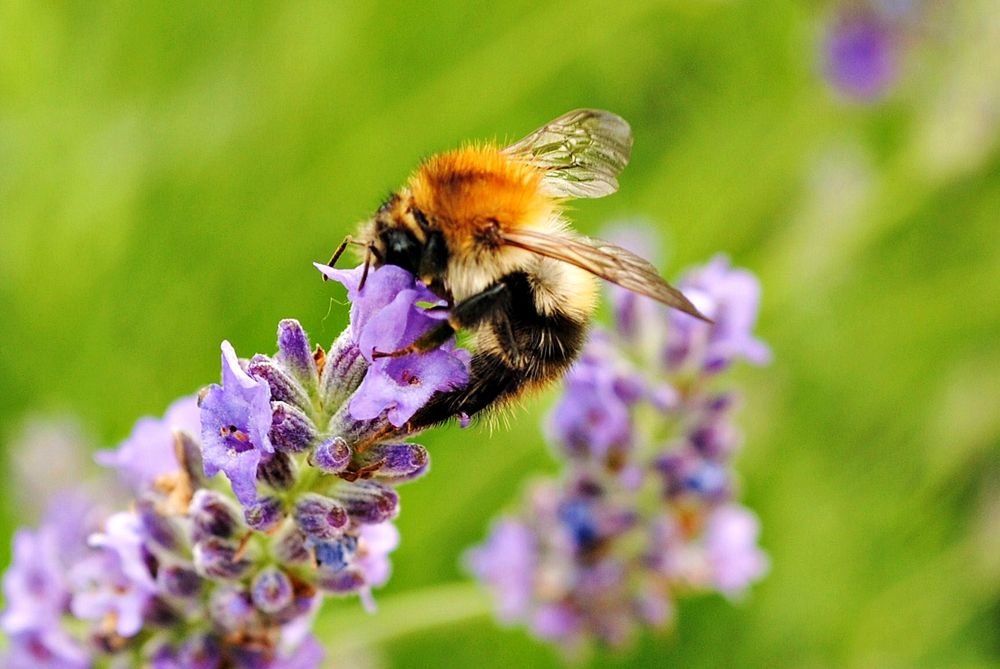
(643, 512)
(209, 572)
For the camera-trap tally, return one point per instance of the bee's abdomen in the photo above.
(518, 350)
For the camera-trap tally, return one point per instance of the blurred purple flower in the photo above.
(594, 414)
(115, 580)
(38, 589)
(148, 453)
(49, 648)
(34, 587)
(731, 297)
(642, 512)
(734, 559)
(506, 563)
(235, 422)
(861, 54)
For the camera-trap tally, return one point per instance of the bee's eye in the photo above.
(401, 249)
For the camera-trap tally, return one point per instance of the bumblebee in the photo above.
(483, 228)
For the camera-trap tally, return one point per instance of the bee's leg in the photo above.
(466, 314)
(364, 272)
(370, 252)
(509, 340)
(428, 341)
(339, 252)
(501, 371)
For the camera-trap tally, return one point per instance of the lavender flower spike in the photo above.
(204, 575)
(643, 512)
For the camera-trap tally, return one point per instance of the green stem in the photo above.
(345, 632)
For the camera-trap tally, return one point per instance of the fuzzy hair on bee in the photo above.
(483, 227)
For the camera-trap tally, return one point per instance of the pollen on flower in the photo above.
(238, 440)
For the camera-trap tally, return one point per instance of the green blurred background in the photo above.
(169, 170)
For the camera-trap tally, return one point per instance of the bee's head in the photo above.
(404, 237)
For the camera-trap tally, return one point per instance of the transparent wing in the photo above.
(582, 152)
(605, 260)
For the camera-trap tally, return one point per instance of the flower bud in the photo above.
(320, 517)
(332, 456)
(395, 462)
(265, 514)
(271, 590)
(295, 354)
(368, 501)
(232, 609)
(343, 371)
(159, 528)
(157, 612)
(217, 558)
(283, 387)
(277, 471)
(290, 546)
(179, 581)
(291, 429)
(213, 515)
(187, 450)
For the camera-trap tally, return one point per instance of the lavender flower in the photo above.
(38, 591)
(388, 319)
(643, 511)
(149, 453)
(205, 572)
(236, 422)
(861, 53)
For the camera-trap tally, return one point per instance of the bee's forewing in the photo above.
(605, 260)
(582, 152)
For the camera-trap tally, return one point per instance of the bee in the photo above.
(483, 228)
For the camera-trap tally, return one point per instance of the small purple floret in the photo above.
(860, 55)
(148, 453)
(235, 421)
(404, 385)
(116, 580)
(385, 317)
(271, 590)
(733, 555)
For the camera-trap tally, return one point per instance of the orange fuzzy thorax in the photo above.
(470, 191)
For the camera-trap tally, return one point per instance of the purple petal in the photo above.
(506, 563)
(861, 56)
(148, 453)
(236, 421)
(404, 385)
(375, 543)
(731, 546)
